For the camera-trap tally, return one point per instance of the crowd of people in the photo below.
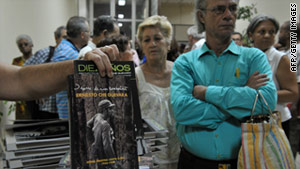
(201, 96)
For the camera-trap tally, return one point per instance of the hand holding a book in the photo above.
(102, 57)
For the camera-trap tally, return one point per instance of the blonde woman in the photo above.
(154, 36)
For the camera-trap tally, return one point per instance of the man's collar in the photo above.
(232, 48)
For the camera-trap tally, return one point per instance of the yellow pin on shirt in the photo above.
(237, 73)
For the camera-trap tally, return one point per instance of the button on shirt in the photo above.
(64, 51)
(211, 129)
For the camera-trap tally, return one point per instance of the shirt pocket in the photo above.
(239, 78)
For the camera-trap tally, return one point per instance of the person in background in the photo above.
(44, 55)
(78, 34)
(261, 31)
(237, 38)
(25, 45)
(45, 107)
(153, 81)
(174, 51)
(284, 44)
(200, 42)
(193, 37)
(123, 44)
(213, 89)
(135, 57)
(138, 49)
(104, 27)
(181, 48)
(284, 38)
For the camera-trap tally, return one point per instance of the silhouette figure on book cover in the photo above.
(102, 147)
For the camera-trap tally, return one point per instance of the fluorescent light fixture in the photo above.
(121, 2)
(120, 16)
(120, 24)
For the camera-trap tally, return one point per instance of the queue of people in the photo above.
(201, 96)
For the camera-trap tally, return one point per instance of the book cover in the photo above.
(103, 126)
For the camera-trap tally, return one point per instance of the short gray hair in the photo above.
(76, 25)
(260, 18)
(24, 36)
(193, 31)
(57, 32)
(199, 6)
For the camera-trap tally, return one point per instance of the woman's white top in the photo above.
(155, 104)
(274, 57)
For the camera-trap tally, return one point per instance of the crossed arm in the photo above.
(255, 81)
(208, 106)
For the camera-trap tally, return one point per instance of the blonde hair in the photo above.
(160, 22)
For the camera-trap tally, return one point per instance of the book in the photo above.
(38, 152)
(65, 161)
(40, 162)
(33, 123)
(155, 136)
(35, 143)
(104, 117)
(153, 130)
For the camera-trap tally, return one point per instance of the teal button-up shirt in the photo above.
(211, 129)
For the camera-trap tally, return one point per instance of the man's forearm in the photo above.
(36, 81)
(45, 79)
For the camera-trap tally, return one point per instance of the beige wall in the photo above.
(280, 9)
(37, 18)
(184, 13)
(178, 13)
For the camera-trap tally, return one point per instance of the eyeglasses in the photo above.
(22, 44)
(220, 9)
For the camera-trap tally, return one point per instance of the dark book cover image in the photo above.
(102, 125)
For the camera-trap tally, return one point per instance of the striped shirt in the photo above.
(64, 51)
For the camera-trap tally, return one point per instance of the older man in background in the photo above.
(45, 107)
(105, 26)
(78, 34)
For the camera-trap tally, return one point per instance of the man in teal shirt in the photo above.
(213, 90)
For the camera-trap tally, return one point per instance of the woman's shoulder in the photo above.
(169, 65)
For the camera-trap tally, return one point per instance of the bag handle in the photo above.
(254, 104)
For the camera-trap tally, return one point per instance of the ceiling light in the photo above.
(120, 16)
(121, 2)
